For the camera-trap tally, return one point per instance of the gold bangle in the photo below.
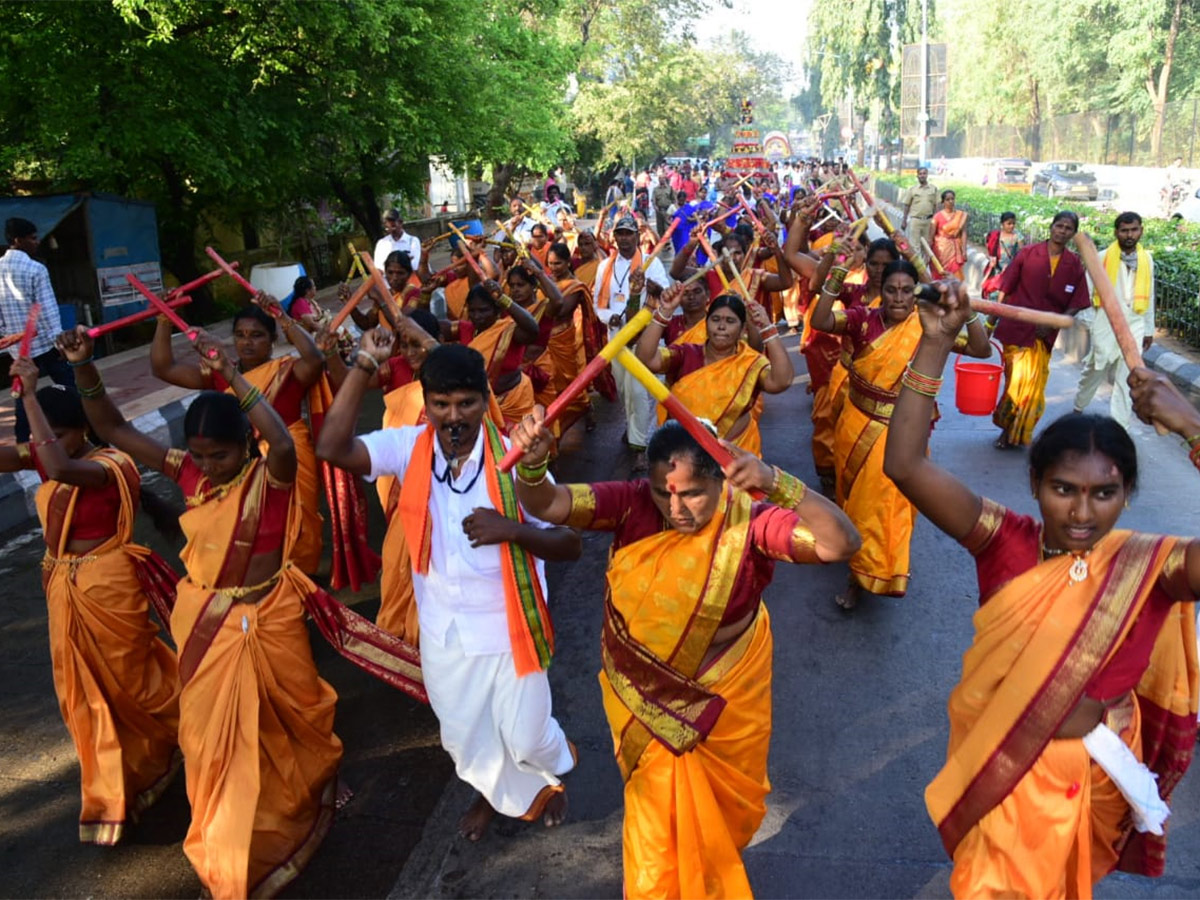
(251, 397)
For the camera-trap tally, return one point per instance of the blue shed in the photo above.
(89, 242)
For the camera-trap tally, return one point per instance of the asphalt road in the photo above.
(859, 719)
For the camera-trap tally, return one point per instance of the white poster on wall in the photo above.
(116, 290)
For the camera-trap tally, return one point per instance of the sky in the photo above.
(777, 26)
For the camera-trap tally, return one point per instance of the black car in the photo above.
(1066, 179)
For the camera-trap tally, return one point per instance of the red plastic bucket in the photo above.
(977, 385)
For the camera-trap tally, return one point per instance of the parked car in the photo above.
(1066, 179)
(1189, 209)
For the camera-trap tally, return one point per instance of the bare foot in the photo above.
(849, 598)
(344, 794)
(1001, 443)
(556, 810)
(476, 819)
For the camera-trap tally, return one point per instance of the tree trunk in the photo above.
(1035, 117)
(363, 206)
(1158, 92)
(502, 178)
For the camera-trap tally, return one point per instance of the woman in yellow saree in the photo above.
(721, 379)
(686, 645)
(255, 718)
(882, 340)
(1076, 712)
(116, 680)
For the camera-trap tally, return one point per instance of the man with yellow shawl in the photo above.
(1079, 691)
(881, 341)
(255, 718)
(117, 682)
(722, 378)
(486, 636)
(1130, 268)
(686, 644)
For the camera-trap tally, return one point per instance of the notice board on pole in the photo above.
(910, 91)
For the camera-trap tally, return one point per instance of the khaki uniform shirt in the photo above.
(923, 200)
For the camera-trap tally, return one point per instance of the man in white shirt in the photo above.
(518, 223)
(23, 282)
(1131, 269)
(619, 285)
(467, 556)
(396, 239)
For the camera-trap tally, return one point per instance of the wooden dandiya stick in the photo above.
(701, 272)
(677, 410)
(1022, 314)
(9, 339)
(658, 248)
(172, 301)
(937, 263)
(754, 220)
(725, 257)
(350, 305)
(579, 384)
(189, 331)
(375, 278)
(1108, 301)
(522, 252)
(712, 254)
(27, 336)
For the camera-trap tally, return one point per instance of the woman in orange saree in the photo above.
(950, 236)
(500, 330)
(117, 682)
(532, 289)
(721, 379)
(1082, 675)
(255, 718)
(284, 381)
(882, 340)
(575, 339)
(686, 644)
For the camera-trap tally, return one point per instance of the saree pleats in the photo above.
(882, 515)
(688, 817)
(256, 729)
(256, 720)
(117, 682)
(1026, 371)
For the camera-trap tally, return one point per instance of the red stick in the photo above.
(561, 402)
(758, 226)
(230, 271)
(116, 324)
(867, 198)
(1022, 314)
(349, 305)
(26, 343)
(202, 280)
(167, 311)
(9, 339)
(662, 241)
(380, 285)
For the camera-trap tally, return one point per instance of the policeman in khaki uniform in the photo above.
(920, 203)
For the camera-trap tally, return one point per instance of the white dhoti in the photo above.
(640, 417)
(497, 728)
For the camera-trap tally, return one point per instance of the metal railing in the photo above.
(1177, 302)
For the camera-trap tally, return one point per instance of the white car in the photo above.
(1189, 209)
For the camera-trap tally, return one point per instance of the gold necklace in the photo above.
(221, 490)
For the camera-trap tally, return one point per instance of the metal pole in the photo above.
(923, 113)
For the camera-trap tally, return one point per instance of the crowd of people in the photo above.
(1079, 687)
